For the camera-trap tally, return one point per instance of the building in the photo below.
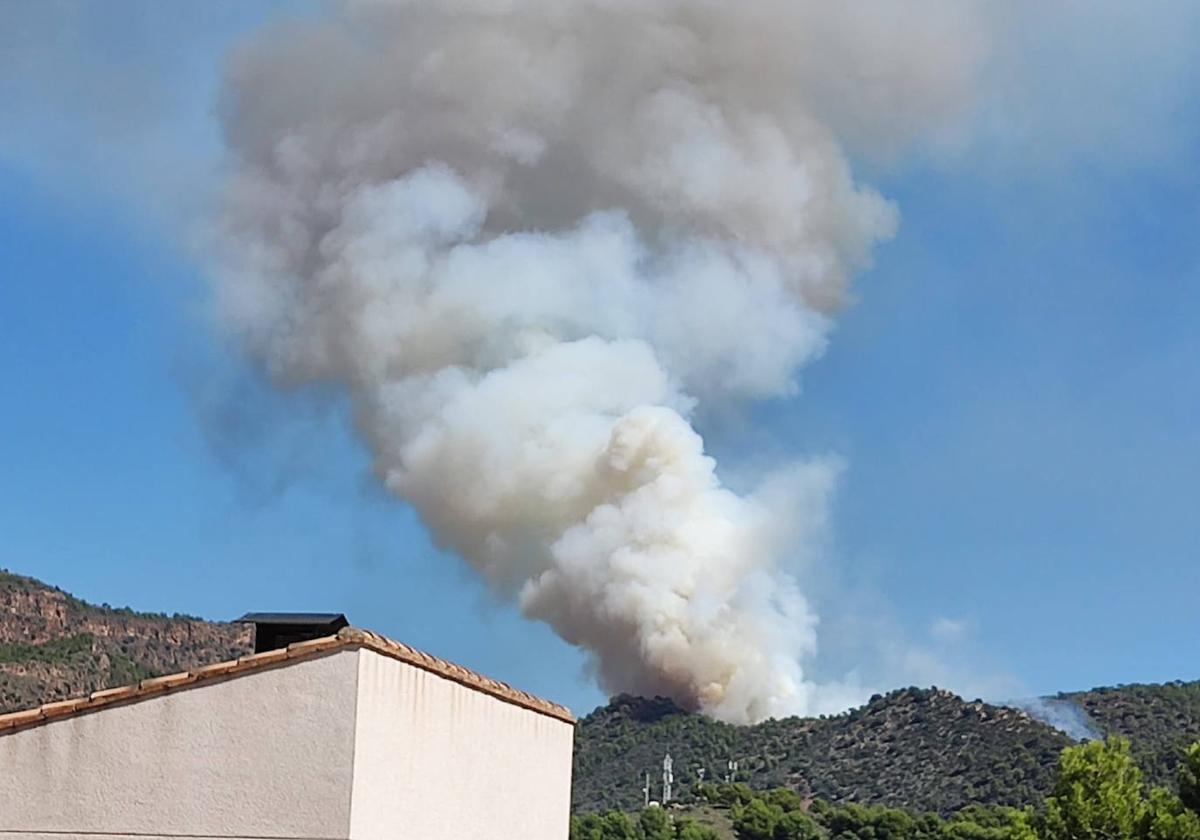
(347, 737)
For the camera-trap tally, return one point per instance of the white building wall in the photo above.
(266, 754)
(434, 760)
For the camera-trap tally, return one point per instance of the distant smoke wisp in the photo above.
(530, 237)
(1064, 715)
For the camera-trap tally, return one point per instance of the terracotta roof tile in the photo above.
(23, 718)
(64, 707)
(168, 681)
(110, 695)
(216, 669)
(457, 673)
(267, 657)
(296, 649)
(348, 638)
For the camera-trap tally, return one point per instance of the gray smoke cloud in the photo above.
(529, 238)
(1064, 715)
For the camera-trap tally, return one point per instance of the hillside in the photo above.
(54, 646)
(922, 749)
(1159, 721)
(926, 750)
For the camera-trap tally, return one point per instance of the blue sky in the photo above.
(1015, 395)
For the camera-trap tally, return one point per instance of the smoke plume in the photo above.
(530, 238)
(1063, 714)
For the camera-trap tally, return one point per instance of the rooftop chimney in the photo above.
(278, 630)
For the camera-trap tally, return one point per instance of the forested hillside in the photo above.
(1158, 720)
(54, 646)
(922, 749)
(1097, 793)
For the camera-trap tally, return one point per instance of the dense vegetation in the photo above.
(54, 646)
(1097, 793)
(1158, 720)
(55, 651)
(923, 749)
(920, 748)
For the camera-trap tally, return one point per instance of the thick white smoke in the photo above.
(528, 236)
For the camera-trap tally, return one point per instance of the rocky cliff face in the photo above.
(54, 646)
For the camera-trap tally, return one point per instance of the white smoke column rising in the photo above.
(528, 236)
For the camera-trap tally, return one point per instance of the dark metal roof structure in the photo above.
(278, 630)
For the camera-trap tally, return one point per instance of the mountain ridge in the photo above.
(924, 749)
(54, 646)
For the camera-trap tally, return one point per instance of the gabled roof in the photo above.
(349, 638)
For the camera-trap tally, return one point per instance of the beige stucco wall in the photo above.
(352, 744)
(265, 754)
(434, 760)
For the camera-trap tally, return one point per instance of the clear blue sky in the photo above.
(1016, 394)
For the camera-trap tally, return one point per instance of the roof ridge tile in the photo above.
(347, 638)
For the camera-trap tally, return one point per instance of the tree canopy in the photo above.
(1099, 793)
